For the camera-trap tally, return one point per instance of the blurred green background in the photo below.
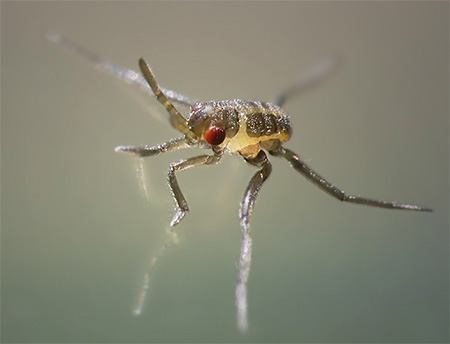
(77, 236)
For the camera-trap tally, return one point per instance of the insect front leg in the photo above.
(180, 201)
(332, 190)
(144, 151)
(245, 211)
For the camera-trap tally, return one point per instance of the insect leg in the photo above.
(326, 186)
(245, 211)
(309, 78)
(177, 195)
(145, 151)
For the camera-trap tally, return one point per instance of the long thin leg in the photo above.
(326, 186)
(145, 151)
(309, 78)
(176, 118)
(127, 75)
(245, 212)
(180, 201)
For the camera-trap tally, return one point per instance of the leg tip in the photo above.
(177, 218)
(126, 149)
(120, 149)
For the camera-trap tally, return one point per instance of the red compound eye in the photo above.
(215, 136)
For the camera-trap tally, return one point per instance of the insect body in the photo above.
(244, 127)
(240, 126)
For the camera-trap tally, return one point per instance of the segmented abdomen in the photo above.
(265, 119)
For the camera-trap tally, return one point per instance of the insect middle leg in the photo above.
(332, 190)
(245, 211)
(180, 201)
(178, 197)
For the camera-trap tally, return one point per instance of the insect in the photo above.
(251, 129)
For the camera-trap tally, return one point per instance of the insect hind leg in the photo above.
(309, 78)
(332, 190)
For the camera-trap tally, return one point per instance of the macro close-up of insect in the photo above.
(224, 172)
(251, 129)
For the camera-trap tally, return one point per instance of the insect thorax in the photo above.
(246, 123)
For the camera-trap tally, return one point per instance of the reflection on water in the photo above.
(77, 237)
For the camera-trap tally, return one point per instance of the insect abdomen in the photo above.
(265, 119)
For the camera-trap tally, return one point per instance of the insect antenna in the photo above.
(127, 75)
(177, 120)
